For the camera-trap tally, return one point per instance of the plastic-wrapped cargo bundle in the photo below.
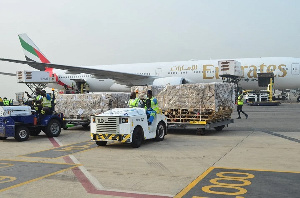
(191, 102)
(84, 105)
(202, 95)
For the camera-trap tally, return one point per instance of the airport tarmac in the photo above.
(254, 157)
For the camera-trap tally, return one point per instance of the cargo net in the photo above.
(210, 102)
(84, 105)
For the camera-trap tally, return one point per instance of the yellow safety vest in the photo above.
(154, 105)
(6, 102)
(46, 103)
(240, 100)
(133, 102)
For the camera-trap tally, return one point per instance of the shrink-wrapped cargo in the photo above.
(190, 102)
(82, 106)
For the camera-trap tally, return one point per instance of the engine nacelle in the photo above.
(169, 81)
(117, 87)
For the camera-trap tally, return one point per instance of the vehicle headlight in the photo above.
(124, 120)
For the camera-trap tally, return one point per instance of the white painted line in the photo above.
(91, 178)
(145, 193)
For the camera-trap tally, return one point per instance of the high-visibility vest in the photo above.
(240, 100)
(6, 102)
(133, 102)
(154, 104)
(39, 97)
(46, 102)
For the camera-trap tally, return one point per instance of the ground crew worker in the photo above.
(5, 101)
(133, 101)
(151, 107)
(154, 103)
(1, 101)
(87, 88)
(149, 112)
(240, 103)
(46, 103)
(38, 101)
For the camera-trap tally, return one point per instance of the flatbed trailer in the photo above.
(200, 126)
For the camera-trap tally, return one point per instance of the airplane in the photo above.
(121, 77)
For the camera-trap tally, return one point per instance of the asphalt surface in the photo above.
(254, 157)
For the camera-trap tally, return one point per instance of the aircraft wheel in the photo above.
(160, 131)
(137, 137)
(53, 128)
(21, 133)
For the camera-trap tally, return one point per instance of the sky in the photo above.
(101, 32)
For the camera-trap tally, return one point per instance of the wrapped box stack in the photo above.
(193, 102)
(84, 105)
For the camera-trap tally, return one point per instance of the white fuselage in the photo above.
(286, 71)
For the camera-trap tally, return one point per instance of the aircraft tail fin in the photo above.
(31, 51)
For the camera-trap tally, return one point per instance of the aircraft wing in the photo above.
(120, 77)
(7, 74)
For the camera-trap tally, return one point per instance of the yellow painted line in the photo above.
(39, 178)
(262, 170)
(57, 151)
(38, 162)
(59, 156)
(4, 165)
(203, 175)
(200, 197)
(194, 183)
(51, 149)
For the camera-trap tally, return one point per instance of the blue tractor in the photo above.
(21, 121)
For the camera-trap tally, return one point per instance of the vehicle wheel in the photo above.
(35, 132)
(219, 128)
(65, 128)
(86, 125)
(3, 138)
(201, 132)
(21, 133)
(298, 99)
(53, 128)
(160, 131)
(101, 143)
(137, 137)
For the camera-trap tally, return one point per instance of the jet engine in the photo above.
(169, 81)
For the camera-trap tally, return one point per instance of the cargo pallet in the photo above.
(200, 120)
(193, 115)
(201, 126)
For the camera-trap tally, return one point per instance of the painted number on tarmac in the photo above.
(242, 183)
(229, 183)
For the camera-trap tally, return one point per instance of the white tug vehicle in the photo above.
(129, 125)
